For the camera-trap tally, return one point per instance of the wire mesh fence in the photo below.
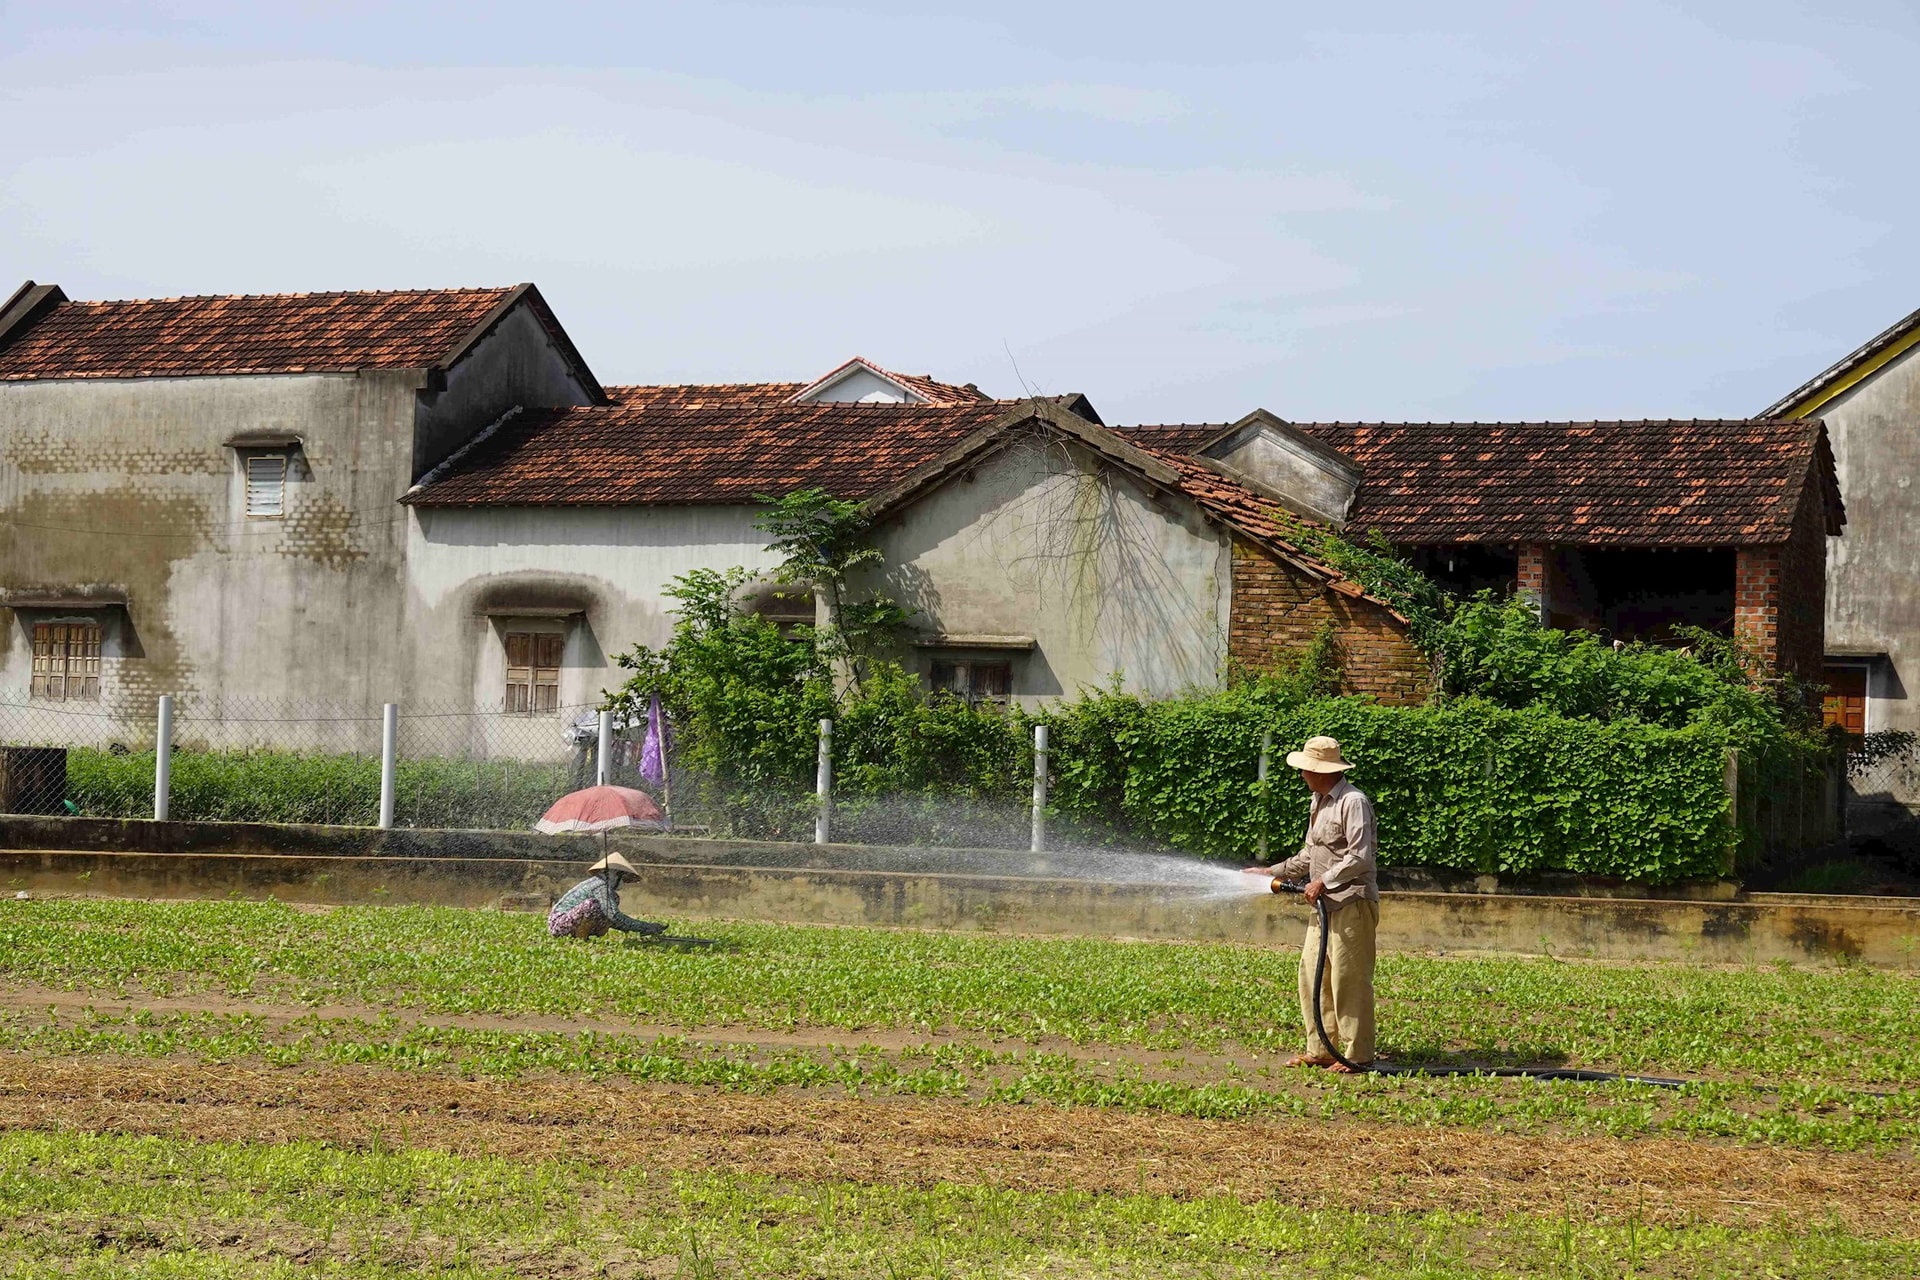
(1885, 766)
(302, 761)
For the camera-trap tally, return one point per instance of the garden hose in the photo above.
(1529, 1073)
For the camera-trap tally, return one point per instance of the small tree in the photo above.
(823, 541)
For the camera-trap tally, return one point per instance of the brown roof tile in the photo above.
(1641, 483)
(699, 448)
(251, 334)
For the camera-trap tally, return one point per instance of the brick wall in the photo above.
(1277, 611)
(1780, 595)
(1531, 574)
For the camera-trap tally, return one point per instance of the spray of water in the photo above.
(1185, 877)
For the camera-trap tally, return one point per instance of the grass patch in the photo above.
(120, 1206)
(1847, 1028)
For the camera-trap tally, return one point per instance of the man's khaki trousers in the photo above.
(1346, 993)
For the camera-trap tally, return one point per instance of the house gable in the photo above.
(858, 382)
(1302, 474)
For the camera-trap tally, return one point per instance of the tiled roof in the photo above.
(1644, 483)
(936, 391)
(1181, 437)
(703, 395)
(643, 449)
(252, 334)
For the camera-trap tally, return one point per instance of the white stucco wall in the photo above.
(1044, 541)
(464, 565)
(1873, 572)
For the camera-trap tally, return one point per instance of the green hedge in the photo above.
(1464, 785)
(281, 786)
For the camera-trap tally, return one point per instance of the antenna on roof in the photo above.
(1016, 369)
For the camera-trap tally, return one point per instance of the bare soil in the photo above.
(794, 1135)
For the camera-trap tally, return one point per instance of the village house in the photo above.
(1629, 529)
(1041, 552)
(427, 497)
(1870, 401)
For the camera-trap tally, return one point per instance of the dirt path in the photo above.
(802, 1137)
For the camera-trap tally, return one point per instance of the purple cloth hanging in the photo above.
(653, 752)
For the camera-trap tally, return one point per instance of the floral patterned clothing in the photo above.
(589, 909)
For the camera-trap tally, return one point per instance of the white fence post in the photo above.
(389, 759)
(1039, 788)
(163, 760)
(823, 787)
(603, 771)
(1266, 753)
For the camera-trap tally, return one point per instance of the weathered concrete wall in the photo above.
(1762, 929)
(1042, 540)
(468, 569)
(516, 364)
(1873, 573)
(127, 483)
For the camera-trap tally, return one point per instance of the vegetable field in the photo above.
(249, 1089)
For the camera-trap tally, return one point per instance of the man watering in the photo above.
(1338, 863)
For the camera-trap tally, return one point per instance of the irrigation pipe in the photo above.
(1528, 1073)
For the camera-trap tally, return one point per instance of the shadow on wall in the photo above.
(1052, 543)
(914, 588)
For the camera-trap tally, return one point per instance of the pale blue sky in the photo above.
(1185, 211)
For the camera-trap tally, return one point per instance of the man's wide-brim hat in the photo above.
(1320, 755)
(615, 862)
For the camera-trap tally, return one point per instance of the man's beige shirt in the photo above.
(1340, 847)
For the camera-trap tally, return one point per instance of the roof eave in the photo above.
(1849, 371)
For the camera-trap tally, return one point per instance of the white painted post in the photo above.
(603, 765)
(1039, 788)
(389, 759)
(163, 759)
(823, 787)
(1266, 753)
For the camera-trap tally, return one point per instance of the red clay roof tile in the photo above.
(1646, 483)
(251, 334)
(709, 445)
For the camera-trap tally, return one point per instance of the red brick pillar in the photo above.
(1756, 604)
(1532, 577)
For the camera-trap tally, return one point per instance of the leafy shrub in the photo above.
(1633, 789)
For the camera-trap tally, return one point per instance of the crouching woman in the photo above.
(592, 907)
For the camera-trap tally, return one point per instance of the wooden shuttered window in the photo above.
(533, 671)
(1846, 701)
(66, 660)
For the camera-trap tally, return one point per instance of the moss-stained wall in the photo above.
(127, 486)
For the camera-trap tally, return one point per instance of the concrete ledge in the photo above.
(1875, 931)
(141, 835)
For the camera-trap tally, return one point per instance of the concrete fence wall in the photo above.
(967, 890)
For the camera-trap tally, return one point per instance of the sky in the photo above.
(1391, 211)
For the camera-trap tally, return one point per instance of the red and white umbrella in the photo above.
(602, 809)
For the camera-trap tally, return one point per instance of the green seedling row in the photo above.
(1846, 1028)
